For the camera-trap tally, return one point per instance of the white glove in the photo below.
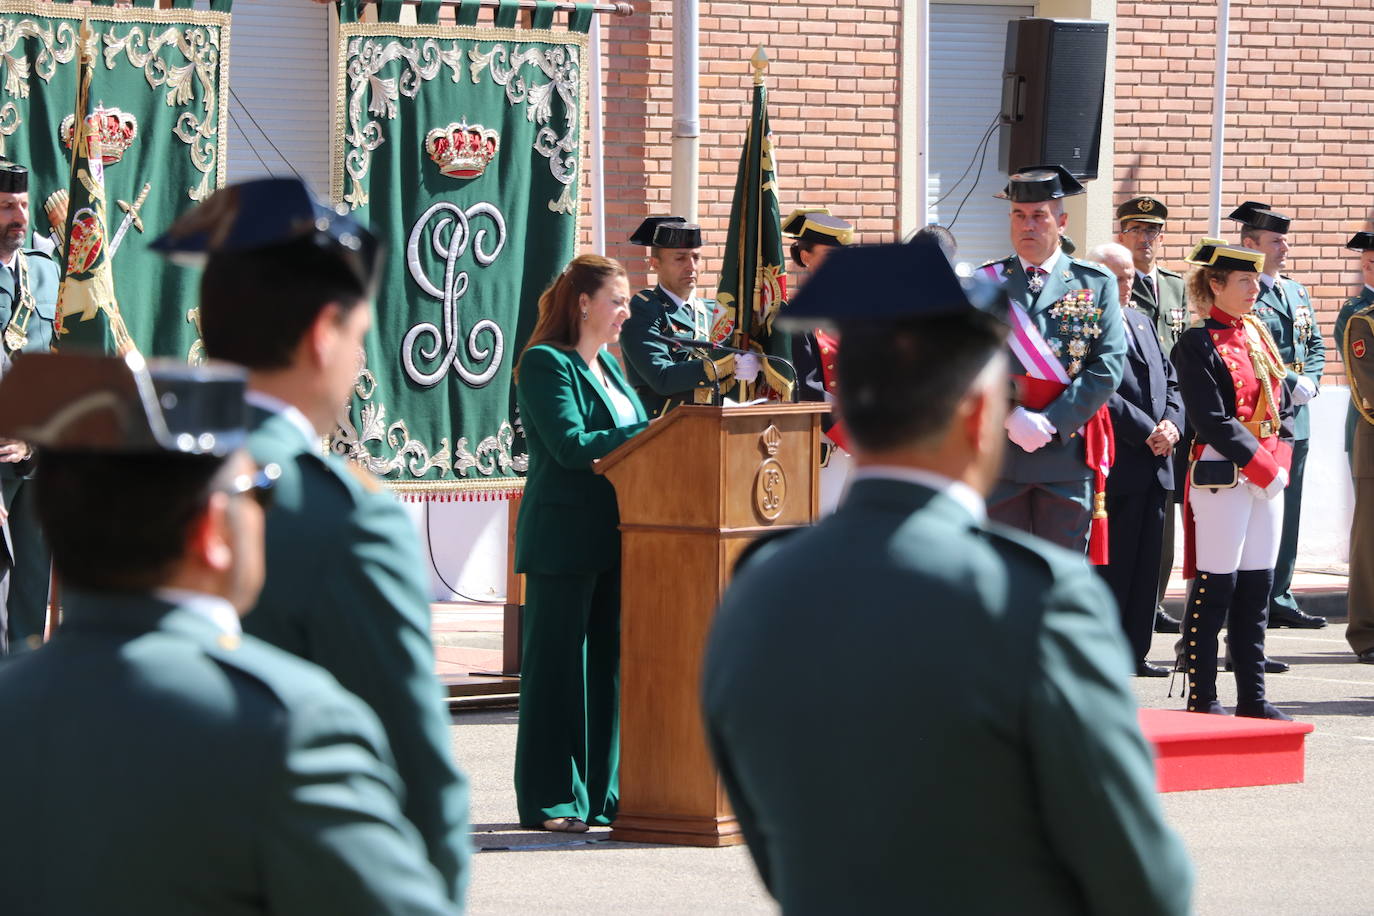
(747, 366)
(1029, 429)
(1304, 390)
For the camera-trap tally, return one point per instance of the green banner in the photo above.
(461, 148)
(158, 91)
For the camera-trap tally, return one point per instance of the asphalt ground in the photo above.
(1303, 848)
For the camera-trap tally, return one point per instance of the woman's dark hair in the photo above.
(559, 310)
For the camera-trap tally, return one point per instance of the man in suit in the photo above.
(28, 312)
(665, 375)
(1286, 310)
(1147, 414)
(1026, 704)
(1068, 340)
(1359, 366)
(285, 292)
(1159, 293)
(184, 766)
(1363, 243)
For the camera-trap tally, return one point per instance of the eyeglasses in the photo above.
(257, 486)
(1148, 232)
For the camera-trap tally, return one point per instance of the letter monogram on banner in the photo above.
(461, 147)
(159, 85)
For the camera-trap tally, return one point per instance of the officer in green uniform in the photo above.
(1286, 310)
(1362, 242)
(1158, 292)
(1005, 773)
(169, 764)
(1358, 350)
(1046, 487)
(285, 293)
(28, 312)
(664, 374)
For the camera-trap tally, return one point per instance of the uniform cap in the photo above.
(1037, 183)
(76, 402)
(667, 232)
(1217, 253)
(269, 213)
(1143, 210)
(1258, 215)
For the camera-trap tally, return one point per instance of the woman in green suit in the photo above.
(576, 407)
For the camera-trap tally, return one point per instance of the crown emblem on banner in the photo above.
(116, 128)
(87, 241)
(462, 150)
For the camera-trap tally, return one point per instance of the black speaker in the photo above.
(1052, 86)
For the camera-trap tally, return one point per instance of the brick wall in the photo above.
(833, 103)
(1300, 105)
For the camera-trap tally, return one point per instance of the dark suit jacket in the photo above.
(569, 520)
(1013, 746)
(170, 768)
(1148, 394)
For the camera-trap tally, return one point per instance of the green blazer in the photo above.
(1167, 306)
(1003, 772)
(1363, 300)
(569, 520)
(170, 768)
(346, 590)
(1102, 366)
(1286, 310)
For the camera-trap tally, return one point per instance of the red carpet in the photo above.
(1196, 751)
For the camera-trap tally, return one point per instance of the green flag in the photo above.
(87, 312)
(753, 279)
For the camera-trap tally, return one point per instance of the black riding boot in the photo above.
(1246, 626)
(1208, 600)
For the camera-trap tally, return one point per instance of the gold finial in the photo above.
(760, 62)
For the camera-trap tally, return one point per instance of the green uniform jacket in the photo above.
(1352, 305)
(569, 519)
(662, 375)
(1286, 310)
(1105, 360)
(345, 589)
(1004, 772)
(170, 769)
(44, 279)
(1169, 309)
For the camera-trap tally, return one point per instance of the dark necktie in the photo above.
(1035, 279)
(1149, 285)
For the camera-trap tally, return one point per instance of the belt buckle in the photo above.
(1266, 428)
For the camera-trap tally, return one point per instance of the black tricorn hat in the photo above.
(1260, 216)
(1361, 241)
(667, 232)
(894, 282)
(14, 178)
(268, 213)
(1143, 210)
(1217, 253)
(819, 226)
(1038, 183)
(78, 402)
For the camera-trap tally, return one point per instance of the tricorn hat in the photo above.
(1038, 183)
(14, 178)
(1261, 216)
(1217, 253)
(1361, 241)
(817, 225)
(667, 232)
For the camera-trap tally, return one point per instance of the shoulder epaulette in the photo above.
(1169, 273)
(1007, 260)
(1093, 267)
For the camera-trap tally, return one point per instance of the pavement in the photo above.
(1302, 848)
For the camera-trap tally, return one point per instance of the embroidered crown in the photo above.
(117, 130)
(462, 150)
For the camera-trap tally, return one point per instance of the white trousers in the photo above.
(1235, 528)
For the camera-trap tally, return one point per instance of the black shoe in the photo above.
(1272, 666)
(1261, 709)
(1145, 669)
(1295, 618)
(1164, 623)
(1367, 656)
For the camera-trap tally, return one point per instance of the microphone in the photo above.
(691, 343)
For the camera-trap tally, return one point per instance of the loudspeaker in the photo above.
(1052, 86)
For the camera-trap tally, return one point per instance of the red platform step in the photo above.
(1196, 751)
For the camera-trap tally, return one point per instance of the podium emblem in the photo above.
(770, 481)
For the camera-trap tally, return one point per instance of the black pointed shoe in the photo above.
(1295, 618)
(1261, 709)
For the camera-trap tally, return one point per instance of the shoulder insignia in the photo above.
(1169, 273)
(1093, 268)
(1007, 260)
(364, 476)
(40, 253)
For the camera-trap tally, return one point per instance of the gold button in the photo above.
(228, 642)
(1192, 642)
(1192, 671)
(1192, 629)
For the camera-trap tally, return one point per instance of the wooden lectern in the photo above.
(694, 490)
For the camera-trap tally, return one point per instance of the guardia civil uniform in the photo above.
(665, 375)
(1053, 492)
(1005, 773)
(1286, 310)
(345, 585)
(1361, 242)
(1357, 339)
(28, 313)
(169, 764)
